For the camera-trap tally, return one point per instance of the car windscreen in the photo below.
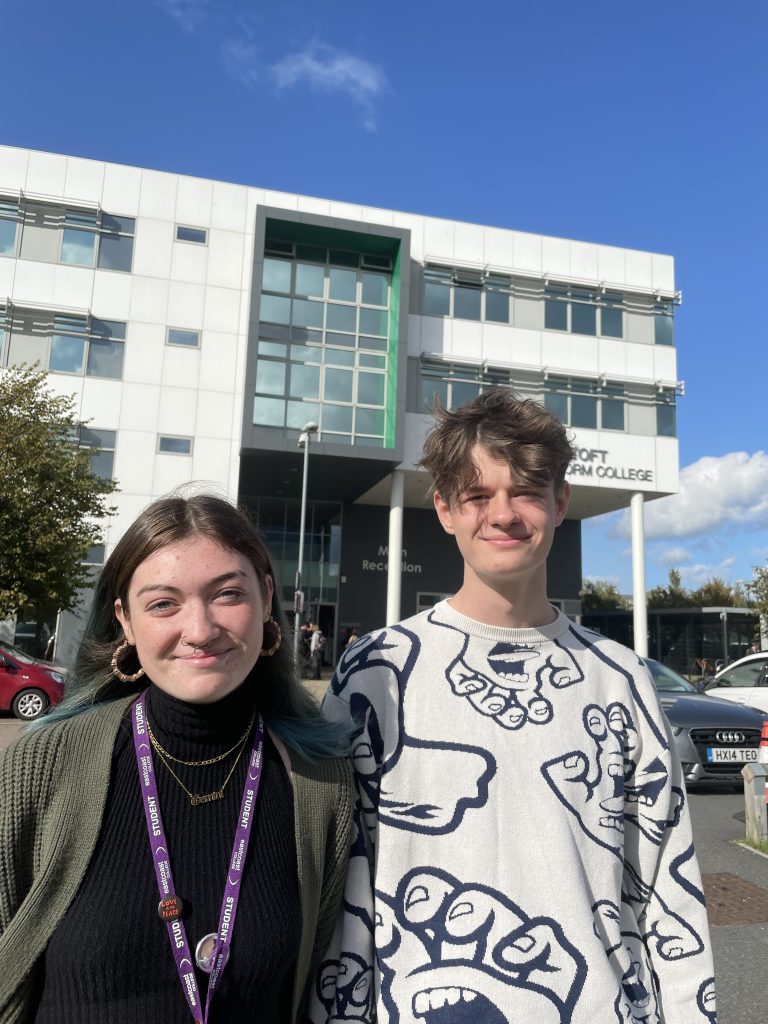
(665, 679)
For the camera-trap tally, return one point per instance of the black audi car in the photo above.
(715, 738)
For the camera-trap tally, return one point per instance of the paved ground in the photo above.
(736, 879)
(741, 950)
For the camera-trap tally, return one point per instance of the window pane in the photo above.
(466, 303)
(343, 258)
(377, 344)
(309, 280)
(664, 329)
(338, 418)
(276, 309)
(437, 300)
(78, 247)
(370, 388)
(276, 276)
(342, 284)
(185, 234)
(102, 464)
(90, 438)
(375, 289)
(612, 323)
(270, 377)
(379, 362)
(310, 253)
(299, 413)
(583, 318)
(117, 225)
(557, 404)
(7, 237)
(338, 385)
(373, 321)
(613, 415)
(307, 313)
(555, 315)
(341, 318)
(305, 381)
(115, 252)
(105, 359)
(272, 348)
(584, 411)
(666, 425)
(189, 338)
(497, 307)
(369, 421)
(268, 412)
(277, 331)
(175, 445)
(339, 357)
(304, 335)
(339, 339)
(462, 392)
(108, 329)
(430, 389)
(67, 354)
(305, 354)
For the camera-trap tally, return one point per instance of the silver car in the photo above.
(715, 738)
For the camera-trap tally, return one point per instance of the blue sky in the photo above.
(639, 125)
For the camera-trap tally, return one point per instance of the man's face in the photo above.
(504, 530)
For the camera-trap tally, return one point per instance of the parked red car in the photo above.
(27, 685)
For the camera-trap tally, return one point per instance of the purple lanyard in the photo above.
(160, 857)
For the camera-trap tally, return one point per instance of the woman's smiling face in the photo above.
(196, 613)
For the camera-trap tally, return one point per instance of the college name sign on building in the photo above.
(599, 464)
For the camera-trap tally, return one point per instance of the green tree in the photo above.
(53, 505)
(674, 595)
(758, 589)
(716, 593)
(601, 596)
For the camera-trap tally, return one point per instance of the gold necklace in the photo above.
(198, 764)
(217, 794)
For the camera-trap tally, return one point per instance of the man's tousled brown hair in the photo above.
(520, 432)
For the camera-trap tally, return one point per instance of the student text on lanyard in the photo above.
(170, 904)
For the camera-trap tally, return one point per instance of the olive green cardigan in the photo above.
(53, 790)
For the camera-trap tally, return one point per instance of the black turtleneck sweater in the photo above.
(110, 960)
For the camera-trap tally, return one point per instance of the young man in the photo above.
(522, 809)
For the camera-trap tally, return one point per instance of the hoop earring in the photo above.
(267, 652)
(121, 649)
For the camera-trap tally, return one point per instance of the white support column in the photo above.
(395, 543)
(639, 605)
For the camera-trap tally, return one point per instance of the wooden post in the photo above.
(754, 802)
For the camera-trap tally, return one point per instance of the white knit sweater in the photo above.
(526, 824)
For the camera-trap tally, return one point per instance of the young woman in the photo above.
(173, 837)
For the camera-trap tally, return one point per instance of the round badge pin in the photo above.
(170, 908)
(204, 952)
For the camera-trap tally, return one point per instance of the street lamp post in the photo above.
(298, 597)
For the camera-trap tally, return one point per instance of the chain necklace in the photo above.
(198, 764)
(204, 798)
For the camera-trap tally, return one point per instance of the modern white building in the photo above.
(200, 324)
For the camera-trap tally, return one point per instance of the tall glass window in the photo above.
(324, 331)
(9, 218)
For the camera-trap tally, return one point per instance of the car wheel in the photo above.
(29, 704)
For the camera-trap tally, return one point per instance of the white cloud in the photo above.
(188, 14)
(724, 493)
(240, 60)
(695, 575)
(674, 556)
(327, 70)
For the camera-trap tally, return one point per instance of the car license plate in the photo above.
(719, 754)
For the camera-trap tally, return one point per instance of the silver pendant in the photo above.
(205, 951)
